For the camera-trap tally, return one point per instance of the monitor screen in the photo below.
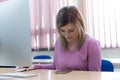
(15, 44)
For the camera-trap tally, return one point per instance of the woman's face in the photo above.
(70, 32)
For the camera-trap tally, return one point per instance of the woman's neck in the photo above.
(72, 44)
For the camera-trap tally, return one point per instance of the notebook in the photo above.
(18, 75)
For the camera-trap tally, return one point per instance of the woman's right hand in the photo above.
(21, 69)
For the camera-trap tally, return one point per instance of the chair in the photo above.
(106, 65)
(42, 57)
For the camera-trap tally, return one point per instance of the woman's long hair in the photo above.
(70, 14)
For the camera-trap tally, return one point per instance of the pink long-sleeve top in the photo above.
(88, 58)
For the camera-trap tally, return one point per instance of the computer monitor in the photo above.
(15, 44)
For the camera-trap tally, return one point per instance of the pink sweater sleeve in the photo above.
(44, 66)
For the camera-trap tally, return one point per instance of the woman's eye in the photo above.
(62, 30)
(71, 31)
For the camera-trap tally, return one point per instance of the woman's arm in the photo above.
(94, 55)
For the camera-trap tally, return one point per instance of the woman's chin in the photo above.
(68, 41)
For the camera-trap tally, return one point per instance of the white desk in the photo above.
(74, 75)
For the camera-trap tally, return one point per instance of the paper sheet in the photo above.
(5, 77)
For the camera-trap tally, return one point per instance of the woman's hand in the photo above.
(21, 69)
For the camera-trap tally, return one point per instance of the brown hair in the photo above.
(70, 14)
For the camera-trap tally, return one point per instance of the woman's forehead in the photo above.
(68, 26)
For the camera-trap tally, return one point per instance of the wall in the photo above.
(111, 53)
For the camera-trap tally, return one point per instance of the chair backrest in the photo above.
(106, 65)
(42, 57)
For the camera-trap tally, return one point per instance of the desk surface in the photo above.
(74, 75)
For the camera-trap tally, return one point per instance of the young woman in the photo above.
(74, 49)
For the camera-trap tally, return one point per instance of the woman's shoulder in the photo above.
(58, 42)
(91, 39)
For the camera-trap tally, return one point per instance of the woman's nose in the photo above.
(66, 34)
